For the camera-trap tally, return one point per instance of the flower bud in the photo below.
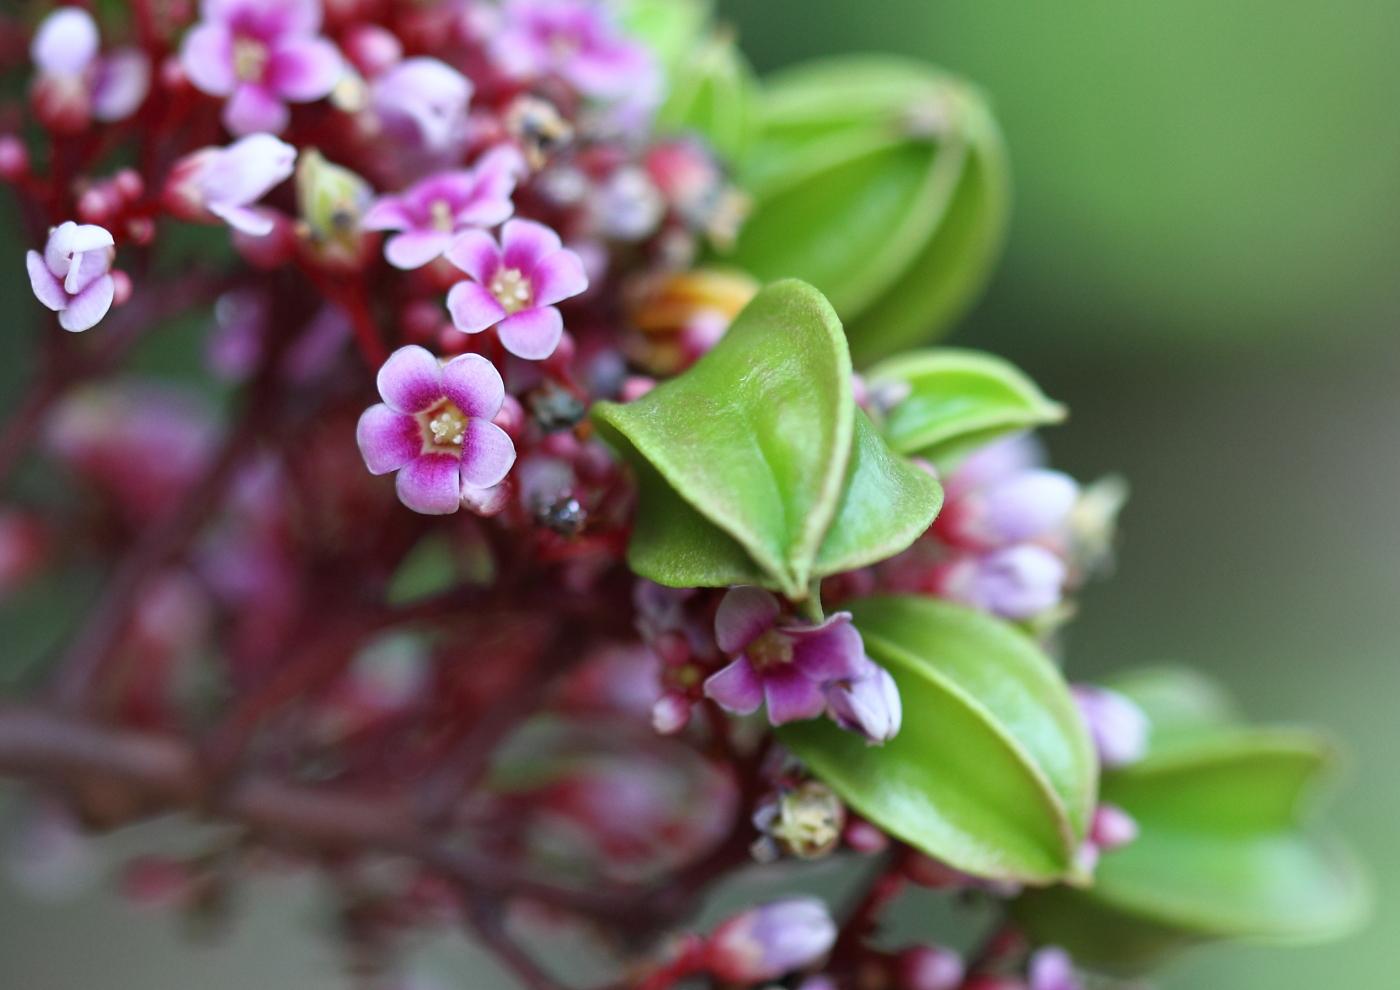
(670, 714)
(765, 942)
(1018, 509)
(930, 968)
(1112, 828)
(1119, 728)
(1019, 582)
(868, 705)
(1052, 969)
(372, 49)
(14, 158)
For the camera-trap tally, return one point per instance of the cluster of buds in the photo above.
(394, 566)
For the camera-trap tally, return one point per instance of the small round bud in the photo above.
(372, 49)
(670, 714)
(766, 942)
(14, 158)
(121, 287)
(930, 968)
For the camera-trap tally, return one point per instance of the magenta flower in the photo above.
(434, 428)
(515, 286)
(75, 75)
(575, 40)
(73, 277)
(224, 183)
(788, 666)
(769, 941)
(260, 54)
(431, 214)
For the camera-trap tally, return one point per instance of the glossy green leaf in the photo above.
(992, 772)
(882, 182)
(958, 399)
(756, 437)
(887, 504)
(713, 93)
(755, 467)
(1223, 851)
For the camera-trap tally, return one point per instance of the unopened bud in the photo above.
(930, 968)
(1119, 728)
(332, 200)
(766, 942)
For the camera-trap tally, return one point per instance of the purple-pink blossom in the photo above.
(1018, 582)
(771, 940)
(421, 104)
(260, 55)
(429, 215)
(224, 183)
(76, 80)
(434, 428)
(577, 41)
(786, 665)
(867, 704)
(1119, 727)
(515, 286)
(73, 277)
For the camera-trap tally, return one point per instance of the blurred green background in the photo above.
(1203, 264)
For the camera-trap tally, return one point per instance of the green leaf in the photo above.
(993, 771)
(1223, 852)
(756, 438)
(887, 504)
(881, 181)
(957, 400)
(714, 93)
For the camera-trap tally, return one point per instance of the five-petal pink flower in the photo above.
(73, 277)
(788, 666)
(260, 54)
(434, 428)
(429, 215)
(514, 286)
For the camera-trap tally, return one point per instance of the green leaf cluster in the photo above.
(883, 182)
(1225, 850)
(756, 466)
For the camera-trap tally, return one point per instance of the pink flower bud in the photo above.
(1118, 727)
(930, 968)
(765, 942)
(670, 714)
(1112, 828)
(14, 158)
(372, 49)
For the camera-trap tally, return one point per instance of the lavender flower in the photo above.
(514, 286)
(1023, 506)
(788, 666)
(73, 277)
(575, 40)
(76, 80)
(1052, 969)
(1119, 728)
(867, 704)
(260, 54)
(421, 104)
(765, 942)
(432, 213)
(1019, 582)
(224, 183)
(434, 428)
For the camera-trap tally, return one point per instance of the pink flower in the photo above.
(515, 286)
(261, 54)
(769, 941)
(73, 277)
(223, 183)
(76, 81)
(432, 213)
(1019, 582)
(575, 40)
(867, 705)
(422, 105)
(434, 428)
(788, 666)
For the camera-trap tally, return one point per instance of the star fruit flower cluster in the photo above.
(502, 218)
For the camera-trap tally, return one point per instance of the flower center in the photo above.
(772, 649)
(444, 428)
(512, 290)
(249, 59)
(442, 216)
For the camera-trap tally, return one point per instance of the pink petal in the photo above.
(89, 306)
(304, 69)
(476, 253)
(532, 334)
(416, 248)
(47, 288)
(387, 213)
(247, 170)
(411, 380)
(431, 484)
(792, 697)
(69, 238)
(526, 244)
(473, 308)
(829, 652)
(745, 613)
(737, 688)
(388, 440)
(207, 58)
(251, 220)
(123, 80)
(474, 386)
(254, 109)
(487, 454)
(558, 277)
(87, 268)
